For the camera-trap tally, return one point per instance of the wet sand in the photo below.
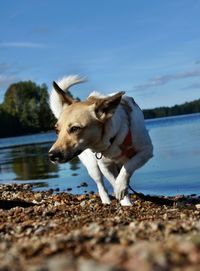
(45, 231)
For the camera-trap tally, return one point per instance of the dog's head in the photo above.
(80, 125)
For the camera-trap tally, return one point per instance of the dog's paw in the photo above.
(106, 202)
(105, 198)
(120, 190)
(126, 201)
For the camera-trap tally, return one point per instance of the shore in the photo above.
(58, 232)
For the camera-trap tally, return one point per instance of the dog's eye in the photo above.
(74, 129)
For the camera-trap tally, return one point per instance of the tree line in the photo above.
(25, 110)
(164, 111)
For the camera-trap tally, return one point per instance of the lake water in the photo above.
(174, 169)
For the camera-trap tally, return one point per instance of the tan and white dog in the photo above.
(106, 132)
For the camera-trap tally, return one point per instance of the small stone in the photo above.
(40, 230)
(183, 216)
(19, 229)
(81, 197)
(165, 216)
(38, 197)
(197, 206)
(27, 186)
(84, 184)
(83, 203)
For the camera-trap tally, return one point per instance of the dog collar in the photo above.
(98, 155)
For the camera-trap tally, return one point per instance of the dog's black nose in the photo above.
(55, 156)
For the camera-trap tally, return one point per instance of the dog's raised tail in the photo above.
(65, 83)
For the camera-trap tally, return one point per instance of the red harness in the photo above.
(126, 147)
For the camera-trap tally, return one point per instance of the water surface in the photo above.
(174, 169)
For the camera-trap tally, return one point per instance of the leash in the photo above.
(133, 190)
(154, 199)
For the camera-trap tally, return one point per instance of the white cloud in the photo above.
(164, 79)
(22, 44)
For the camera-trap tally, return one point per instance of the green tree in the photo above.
(25, 109)
(186, 108)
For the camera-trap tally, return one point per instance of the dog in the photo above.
(107, 132)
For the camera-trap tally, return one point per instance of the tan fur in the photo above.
(77, 114)
(88, 117)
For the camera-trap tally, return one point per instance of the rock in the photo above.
(83, 203)
(90, 265)
(197, 206)
(165, 216)
(83, 184)
(58, 264)
(183, 216)
(38, 197)
(81, 197)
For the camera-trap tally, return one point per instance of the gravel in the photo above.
(45, 231)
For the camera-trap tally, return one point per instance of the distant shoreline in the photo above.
(146, 120)
(173, 117)
(176, 110)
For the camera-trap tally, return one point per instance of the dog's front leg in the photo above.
(97, 177)
(122, 180)
(88, 159)
(110, 171)
(121, 184)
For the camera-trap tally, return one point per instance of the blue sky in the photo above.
(150, 49)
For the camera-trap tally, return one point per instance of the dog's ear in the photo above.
(66, 99)
(105, 108)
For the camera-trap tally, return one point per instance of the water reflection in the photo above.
(74, 166)
(31, 163)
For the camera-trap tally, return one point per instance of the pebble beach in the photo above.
(49, 231)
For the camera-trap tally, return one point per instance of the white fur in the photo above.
(116, 127)
(65, 83)
(97, 94)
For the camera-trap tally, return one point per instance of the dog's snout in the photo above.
(55, 156)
